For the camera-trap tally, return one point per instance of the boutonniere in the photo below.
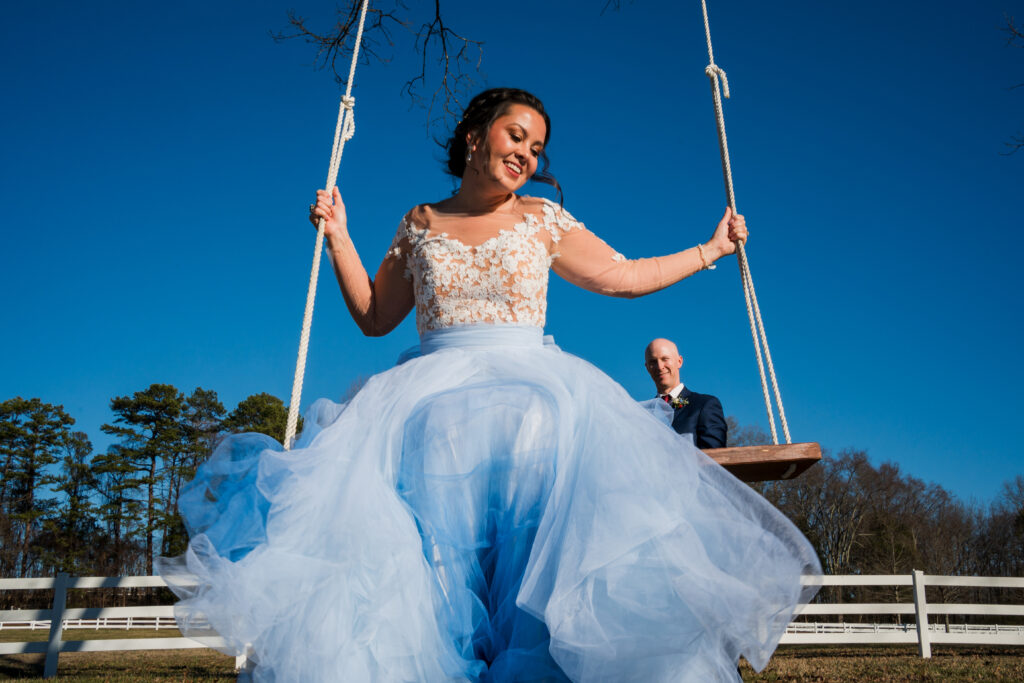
(678, 402)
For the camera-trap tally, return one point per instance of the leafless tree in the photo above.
(1015, 38)
(354, 387)
(1008, 533)
(830, 504)
(1013, 497)
(911, 524)
(449, 61)
(614, 5)
(745, 435)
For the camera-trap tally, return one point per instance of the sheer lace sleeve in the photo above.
(584, 259)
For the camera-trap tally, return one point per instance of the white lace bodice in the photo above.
(503, 278)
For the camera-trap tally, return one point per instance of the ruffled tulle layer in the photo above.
(492, 509)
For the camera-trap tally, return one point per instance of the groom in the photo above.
(693, 413)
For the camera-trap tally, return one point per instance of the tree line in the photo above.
(64, 508)
(868, 519)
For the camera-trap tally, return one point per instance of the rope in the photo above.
(343, 132)
(720, 83)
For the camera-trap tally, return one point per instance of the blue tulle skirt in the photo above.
(491, 509)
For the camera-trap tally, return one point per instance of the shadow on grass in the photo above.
(21, 666)
(124, 667)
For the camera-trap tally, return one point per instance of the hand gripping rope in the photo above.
(343, 131)
(720, 83)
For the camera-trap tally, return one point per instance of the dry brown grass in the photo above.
(890, 664)
(165, 666)
(878, 664)
(21, 635)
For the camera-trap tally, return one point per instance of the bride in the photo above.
(492, 508)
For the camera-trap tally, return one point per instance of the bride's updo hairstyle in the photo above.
(482, 112)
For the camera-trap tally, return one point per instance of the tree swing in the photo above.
(753, 463)
(749, 463)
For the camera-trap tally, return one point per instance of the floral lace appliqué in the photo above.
(502, 280)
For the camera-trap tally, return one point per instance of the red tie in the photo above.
(667, 398)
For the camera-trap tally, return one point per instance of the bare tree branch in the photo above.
(442, 49)
(337, 44)
(453, 53)
(1016, 143)
(1015, 38)
(614, 5)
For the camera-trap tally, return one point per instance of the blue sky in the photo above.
(157, 163)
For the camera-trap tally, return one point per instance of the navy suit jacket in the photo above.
(702, 416)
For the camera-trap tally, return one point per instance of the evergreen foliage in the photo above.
(65, 508)
(260, 413)
(32, 436)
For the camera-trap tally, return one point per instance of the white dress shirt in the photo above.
(674, 393)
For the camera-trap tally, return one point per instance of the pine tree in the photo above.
(119, 511)
(150, 426)
(32, 436)
(71, 540)
(202, 423)
(262, 413)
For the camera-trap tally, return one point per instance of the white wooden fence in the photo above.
(60, 618)
(921, 631)
(121, 623)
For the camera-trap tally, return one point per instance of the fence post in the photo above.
(243, 665)
(921, 611)
(60, 599)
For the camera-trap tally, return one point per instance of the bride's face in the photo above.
(511, 148)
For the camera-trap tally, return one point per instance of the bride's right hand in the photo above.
(332, 210)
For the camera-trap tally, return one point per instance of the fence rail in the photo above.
(920, 631)
(60, 618)
(146, 621)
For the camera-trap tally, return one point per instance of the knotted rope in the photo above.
(343, 132)
(719, 82)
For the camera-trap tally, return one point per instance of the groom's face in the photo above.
(663, 362)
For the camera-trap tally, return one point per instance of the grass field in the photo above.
(879, 664)
(179, 666)
(891, 664)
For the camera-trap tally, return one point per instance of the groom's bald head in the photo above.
(662, 360)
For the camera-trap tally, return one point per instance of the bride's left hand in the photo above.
(731, 229)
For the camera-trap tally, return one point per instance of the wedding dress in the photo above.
(490, 509)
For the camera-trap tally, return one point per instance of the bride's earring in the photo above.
(469, 155)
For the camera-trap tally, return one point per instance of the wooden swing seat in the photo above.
(767, 463)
